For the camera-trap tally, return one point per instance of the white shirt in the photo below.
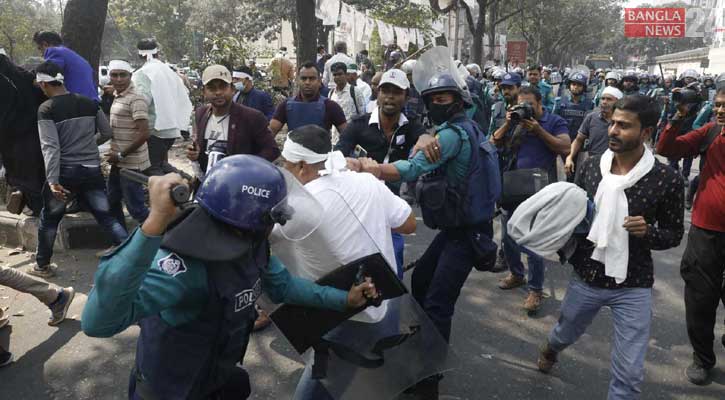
(217, 130)
(372, 106)
(344, 99)
(370, 203)
(365, 89)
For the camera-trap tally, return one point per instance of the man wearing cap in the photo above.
(168, 101)
(250, 96)
(354, 80)
(593, 136)
(76, 71)
(67, 125)
(385, 135)
(509, 88)
(129, 120)
(225, 126)
(308, 107)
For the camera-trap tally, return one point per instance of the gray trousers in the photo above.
(46, 292)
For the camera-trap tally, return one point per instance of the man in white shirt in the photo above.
(353, 78)
(349, 199)
(340, 56)
(348, 97)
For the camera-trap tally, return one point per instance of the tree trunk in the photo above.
(323, 34)
(492, 42)
(306, 32)
(477, 50)
(83, 22)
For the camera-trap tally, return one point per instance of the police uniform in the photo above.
(573, 113)
(192, 292)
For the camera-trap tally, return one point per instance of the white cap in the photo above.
(611, 90)
(120, 65)
(241, 75)
(395, 77)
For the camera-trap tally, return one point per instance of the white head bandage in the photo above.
(295, 152)
(120, 65)
(611, 90)
(149, 54)
(41, 77)
(241, 75)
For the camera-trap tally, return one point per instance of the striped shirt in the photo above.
(127, 108)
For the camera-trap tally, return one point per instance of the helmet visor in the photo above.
(298, 214)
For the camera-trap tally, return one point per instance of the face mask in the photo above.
(239, 86)
(439, 113)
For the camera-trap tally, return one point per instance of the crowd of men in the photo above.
(471, 145)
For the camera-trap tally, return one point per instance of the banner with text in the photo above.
(668, 22)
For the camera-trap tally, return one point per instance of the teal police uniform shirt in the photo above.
(140, 279)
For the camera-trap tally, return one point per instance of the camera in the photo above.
(686, 96)
(520, 112)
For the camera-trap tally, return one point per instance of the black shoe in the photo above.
(697, 374)
(501, 264)
(6, 358)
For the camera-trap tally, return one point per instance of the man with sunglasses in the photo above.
(129, 121)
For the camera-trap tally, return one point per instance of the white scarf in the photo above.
(607, 233)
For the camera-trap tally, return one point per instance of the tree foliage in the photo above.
(19, 19)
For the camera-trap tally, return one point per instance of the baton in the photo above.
(662, 74)
(179, 193)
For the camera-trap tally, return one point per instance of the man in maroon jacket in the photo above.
(703, 263)
(225, 126)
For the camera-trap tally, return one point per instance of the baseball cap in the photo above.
(395, 77)
(352, 69)
(216, 72)
(511, 79)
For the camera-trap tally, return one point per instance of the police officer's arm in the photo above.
(334, 113)
(348, 140)
(499, 134)
(282, 287)
(279, 118)
(128, 287)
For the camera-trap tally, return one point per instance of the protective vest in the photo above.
(446, 205)
(573, 113)
(194, 360)
(498, 115)
(300, 113)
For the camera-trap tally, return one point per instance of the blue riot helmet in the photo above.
(498, 75)
(611, 76)
(555, 78)
(577, 77)
(251, 194)
(443, 82)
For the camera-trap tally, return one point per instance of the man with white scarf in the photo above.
(308, 156)
(639, 208)
(169, 105)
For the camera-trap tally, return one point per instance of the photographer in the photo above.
(687, 102)
(529, 140)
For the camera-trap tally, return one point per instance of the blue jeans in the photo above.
(632, 315)
(399, 247)
(88, 186)
(131, 193)
(440, 274)
(512, 253)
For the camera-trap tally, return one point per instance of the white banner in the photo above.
(387, 34)
(347, 18)
(402, 38)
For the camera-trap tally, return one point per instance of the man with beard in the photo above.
(374, 82)
(630, 83)
(702, 264)
(228, 127)
(592, 136)
(509, 87)
(639, 209)
(386, 134)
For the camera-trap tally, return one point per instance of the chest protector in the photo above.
(498, 114)
(194, 360)
(574, 113)
(446, 205)
(300, 113)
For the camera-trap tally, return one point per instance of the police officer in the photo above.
(191, 282)
(610, 79)
(462, 168)
(630, 83)
(509, 90)
(575, 106)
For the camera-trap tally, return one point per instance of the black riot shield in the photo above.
(373, 353)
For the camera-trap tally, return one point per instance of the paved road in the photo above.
(496, 341)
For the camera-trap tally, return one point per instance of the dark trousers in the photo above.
(88, 186)
(440, 274)
(122, 190)
(702, 270)
(159, 156)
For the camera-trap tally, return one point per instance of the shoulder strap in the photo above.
(709, 138)
(354, 100)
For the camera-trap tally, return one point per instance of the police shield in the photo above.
(375, 352)
(435, 61)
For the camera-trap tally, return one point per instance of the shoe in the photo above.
(547, 358)
(59, 309)
(262, 320)
(15, 203)
(697, 374)
(532, 303)
(6, 358)
(73, 207)
(45, 271)
(511, 281)
(501, 264)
